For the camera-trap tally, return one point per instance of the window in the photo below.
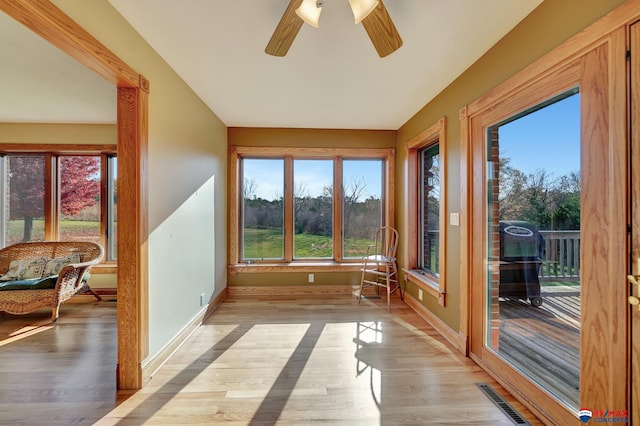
(313, 209)
(425, 262)
(429, 209)
(79, 198)
(301, 205)
(23, 185)
(262, 209)
(362, 211)
(55, 196)
(533, 237)
(111, 218)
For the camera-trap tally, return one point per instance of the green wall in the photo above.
(553, 22)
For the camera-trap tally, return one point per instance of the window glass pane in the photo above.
(112, 210)
(25, 188)
(429, 209)
(362, 205)
(533, 244)
(313, 208)
(262, 208)
(79, 198)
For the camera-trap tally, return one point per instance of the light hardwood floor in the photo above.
(259, 361)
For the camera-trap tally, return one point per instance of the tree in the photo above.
(567, 201)
(249, 189)
(313, 215)
(361, 217)
(26, 189)
(539, 199)
(79, 183)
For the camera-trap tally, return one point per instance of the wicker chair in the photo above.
(70, 278)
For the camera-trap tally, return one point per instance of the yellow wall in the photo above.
(312, 138)
(36, 133)
(546, 27)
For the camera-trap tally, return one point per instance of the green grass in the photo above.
(269, 244)
(263, 244)
(312, 246)
(69, 229)
(15, 231)
(356, 247)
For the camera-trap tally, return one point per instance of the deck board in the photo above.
(545, 342)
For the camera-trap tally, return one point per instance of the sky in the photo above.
(546, 139)
(311, 176)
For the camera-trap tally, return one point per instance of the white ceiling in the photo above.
(331, 77)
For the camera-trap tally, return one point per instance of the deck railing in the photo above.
(561, 260)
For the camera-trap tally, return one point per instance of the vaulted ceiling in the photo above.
(331, 77)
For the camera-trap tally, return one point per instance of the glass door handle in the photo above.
(634, 300)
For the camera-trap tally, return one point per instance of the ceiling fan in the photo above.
(371, 13)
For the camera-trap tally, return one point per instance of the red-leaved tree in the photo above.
(79, 184)
(79, 187)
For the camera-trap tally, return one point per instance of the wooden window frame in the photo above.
(52, 153)
(288, 264)
(434, 286)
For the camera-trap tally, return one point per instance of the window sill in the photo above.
(426, 283)
(245, 268)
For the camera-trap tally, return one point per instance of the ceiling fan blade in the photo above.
(286, 31)
(382, 31)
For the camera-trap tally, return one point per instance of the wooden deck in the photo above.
(544, 342)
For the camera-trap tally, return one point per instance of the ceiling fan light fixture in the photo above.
(362, 8)
(309, 11)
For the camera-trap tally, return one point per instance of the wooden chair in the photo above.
(380, 268)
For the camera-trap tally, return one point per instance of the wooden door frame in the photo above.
(634, 337)
(607, 37)
(46, 20)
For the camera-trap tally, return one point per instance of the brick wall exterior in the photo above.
(493, 250)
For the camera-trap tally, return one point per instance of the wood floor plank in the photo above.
(256, 361)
